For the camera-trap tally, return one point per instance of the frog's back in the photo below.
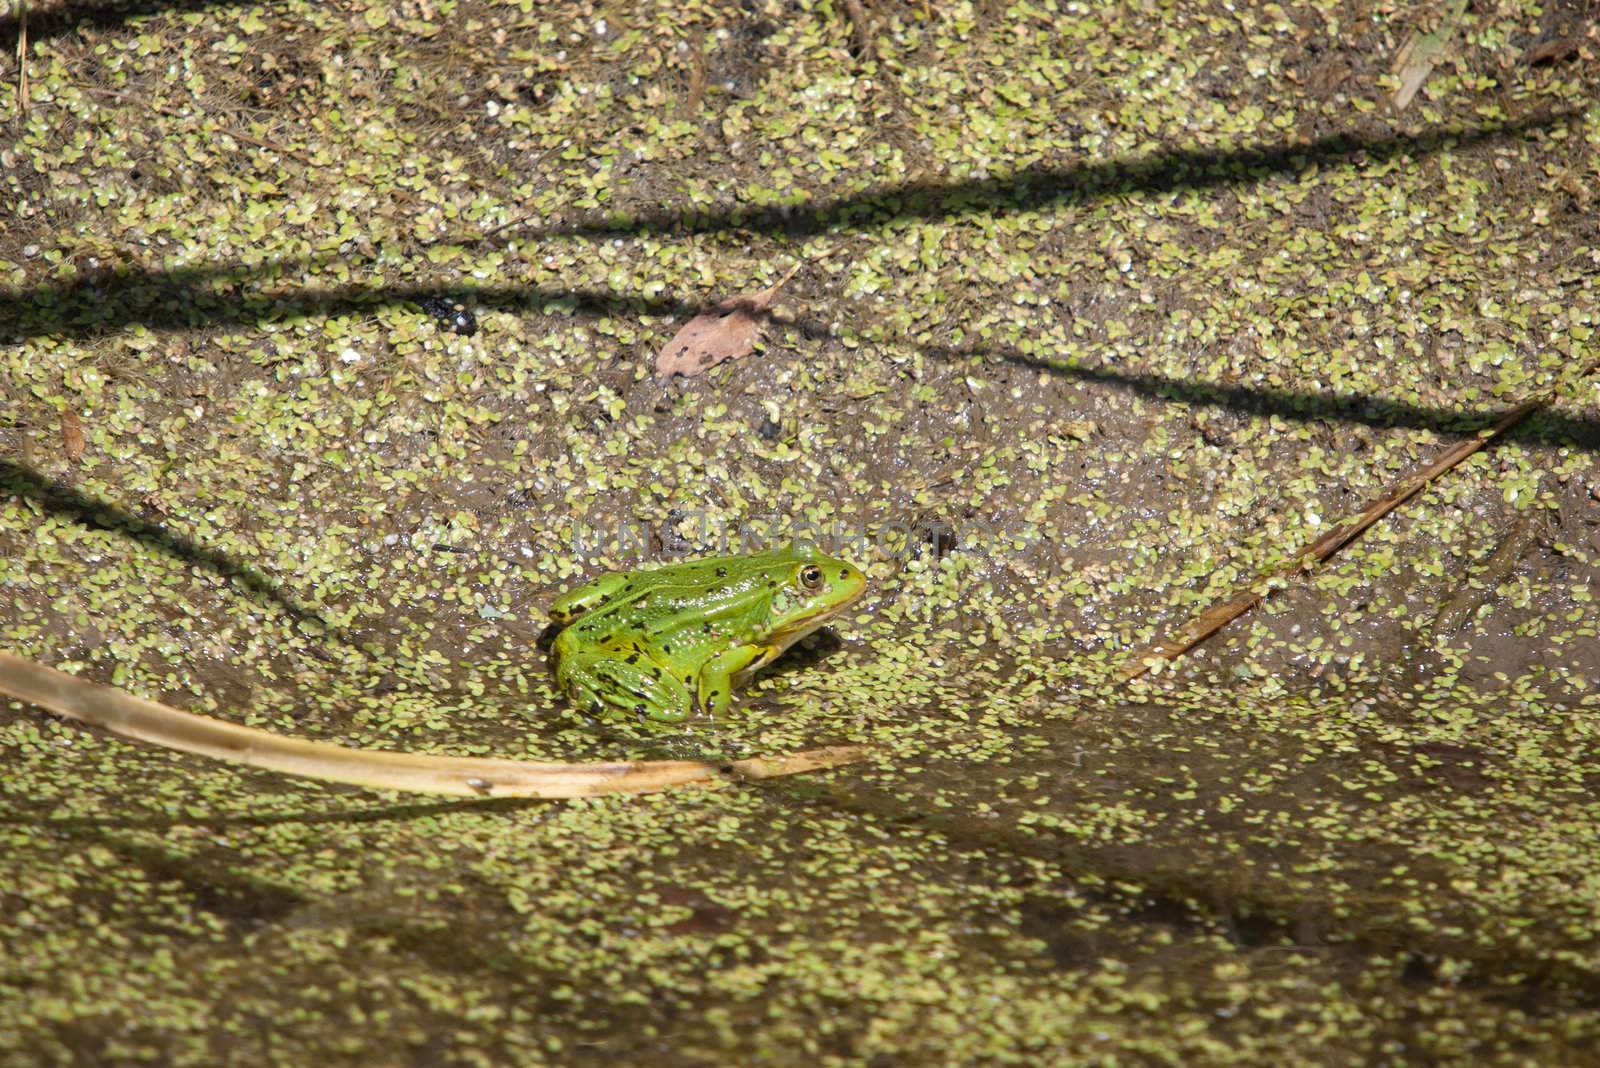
(590, 597)
(681, 606)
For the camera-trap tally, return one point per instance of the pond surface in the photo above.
(1099, 315)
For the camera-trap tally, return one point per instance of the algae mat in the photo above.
(327, 334)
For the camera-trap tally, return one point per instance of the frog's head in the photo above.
(808, 588)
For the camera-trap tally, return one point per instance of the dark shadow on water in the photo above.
(197, 298)
(805, 654)
(1547, 427)
(46, 20)
(65, 502)
(1044, 188)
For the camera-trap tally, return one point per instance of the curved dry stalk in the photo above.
(150, 721)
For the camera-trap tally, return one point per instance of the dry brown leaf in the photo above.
(726, 332)
(72, 435)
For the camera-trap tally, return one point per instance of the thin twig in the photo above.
(22, 57)
(689, 106)
(1241, 601)
(858, 24)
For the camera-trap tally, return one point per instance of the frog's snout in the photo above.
(852, 585)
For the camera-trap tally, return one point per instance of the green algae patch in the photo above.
(1101, 311)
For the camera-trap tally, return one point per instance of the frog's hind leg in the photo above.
(596, 681)
(580, 686)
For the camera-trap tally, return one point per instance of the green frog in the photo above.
(668, 641)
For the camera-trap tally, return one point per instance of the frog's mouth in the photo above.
(790, 633)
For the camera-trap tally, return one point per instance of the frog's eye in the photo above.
(811, 577)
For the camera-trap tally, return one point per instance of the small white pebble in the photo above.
(350, 356)
(600, 27)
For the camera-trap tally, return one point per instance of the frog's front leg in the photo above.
(598, 679)
(715, 690)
